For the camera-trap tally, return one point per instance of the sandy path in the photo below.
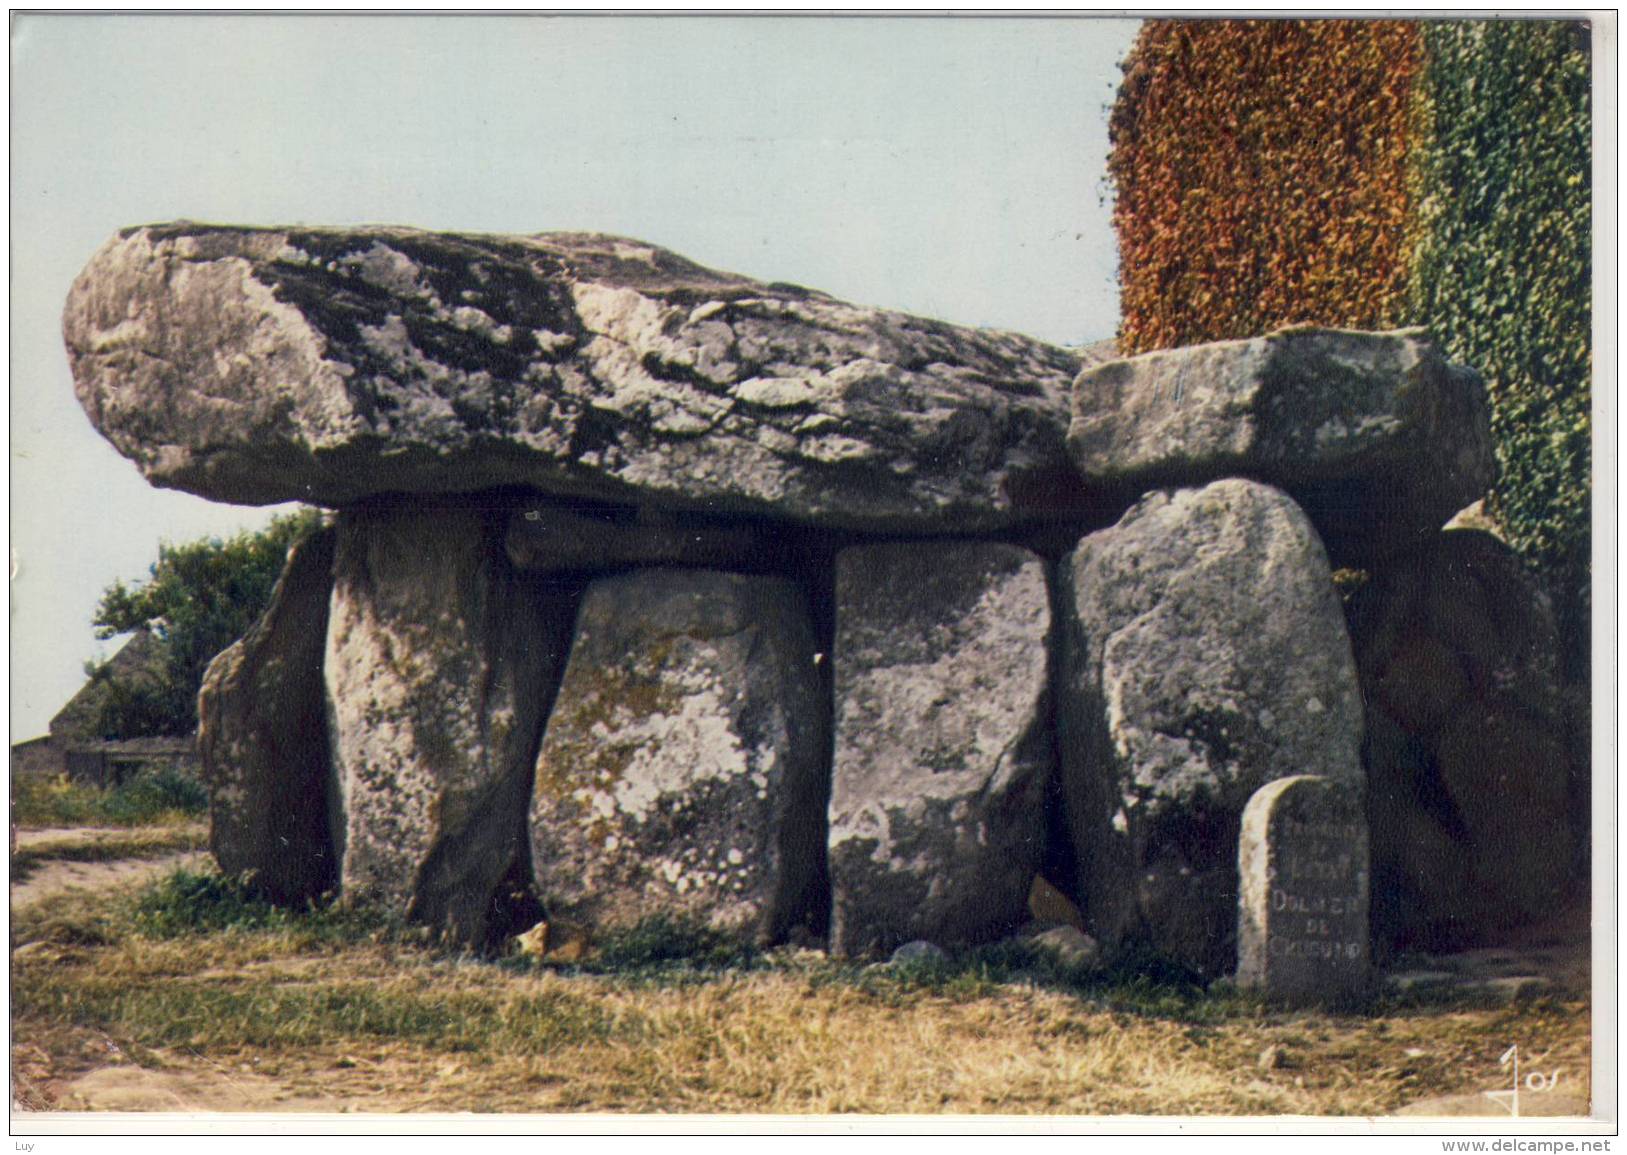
(51, 876)
(211, 1087)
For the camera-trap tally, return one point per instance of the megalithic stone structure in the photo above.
(804, 508)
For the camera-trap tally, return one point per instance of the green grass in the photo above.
(664, 944)
(187, 902)
(676, 952)
(351, 1013)
(151, 798)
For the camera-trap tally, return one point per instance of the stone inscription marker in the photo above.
(1302, 917)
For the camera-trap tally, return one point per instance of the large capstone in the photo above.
(683, 773)
(263, 739)
(943, 742)
(1377, 437)
(263, 365)
(1204, 655)
(1473, 797)
(441, 659)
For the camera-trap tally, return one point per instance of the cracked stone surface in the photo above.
(683, 769)
(265, 365)
(943, 742)
(263, 738)
(1204, 654)
(1377, 437)
(439, 665)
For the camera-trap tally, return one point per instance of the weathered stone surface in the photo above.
(1471, 783)
(943, 742)
(683, 769)
(1377, 437)
(263, 739)
(440, 663)
(1418, 860)
(1302, 864)
(262, 365)
(549, 537)
(1204, 655)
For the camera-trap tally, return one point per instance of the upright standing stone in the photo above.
(1472, 791)
(263, 739)
(683, 769)
(943, 742)
(1204, 655)
(1302, 915)
(440, 662)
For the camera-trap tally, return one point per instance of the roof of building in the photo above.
(135, 746)
(139, 659)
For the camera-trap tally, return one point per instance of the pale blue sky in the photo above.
(948, 167)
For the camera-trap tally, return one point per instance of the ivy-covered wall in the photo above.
(1375, 174)
(1501, 265)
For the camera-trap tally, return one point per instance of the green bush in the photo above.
(152, 797)
(199, 598)
(152, 794)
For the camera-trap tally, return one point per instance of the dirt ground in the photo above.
(52, 875)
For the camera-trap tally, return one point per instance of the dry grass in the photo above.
(316, 1013)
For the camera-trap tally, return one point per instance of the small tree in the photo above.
(200, 598)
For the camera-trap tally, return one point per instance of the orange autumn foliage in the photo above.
(1261, 177)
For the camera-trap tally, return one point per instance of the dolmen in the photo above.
(655, 591)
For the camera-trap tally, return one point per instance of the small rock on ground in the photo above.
(1071, 946)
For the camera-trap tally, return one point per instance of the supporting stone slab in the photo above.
(441, 660)
(943, 742)
(1204, 655)
(683, 774)
(263, 739)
